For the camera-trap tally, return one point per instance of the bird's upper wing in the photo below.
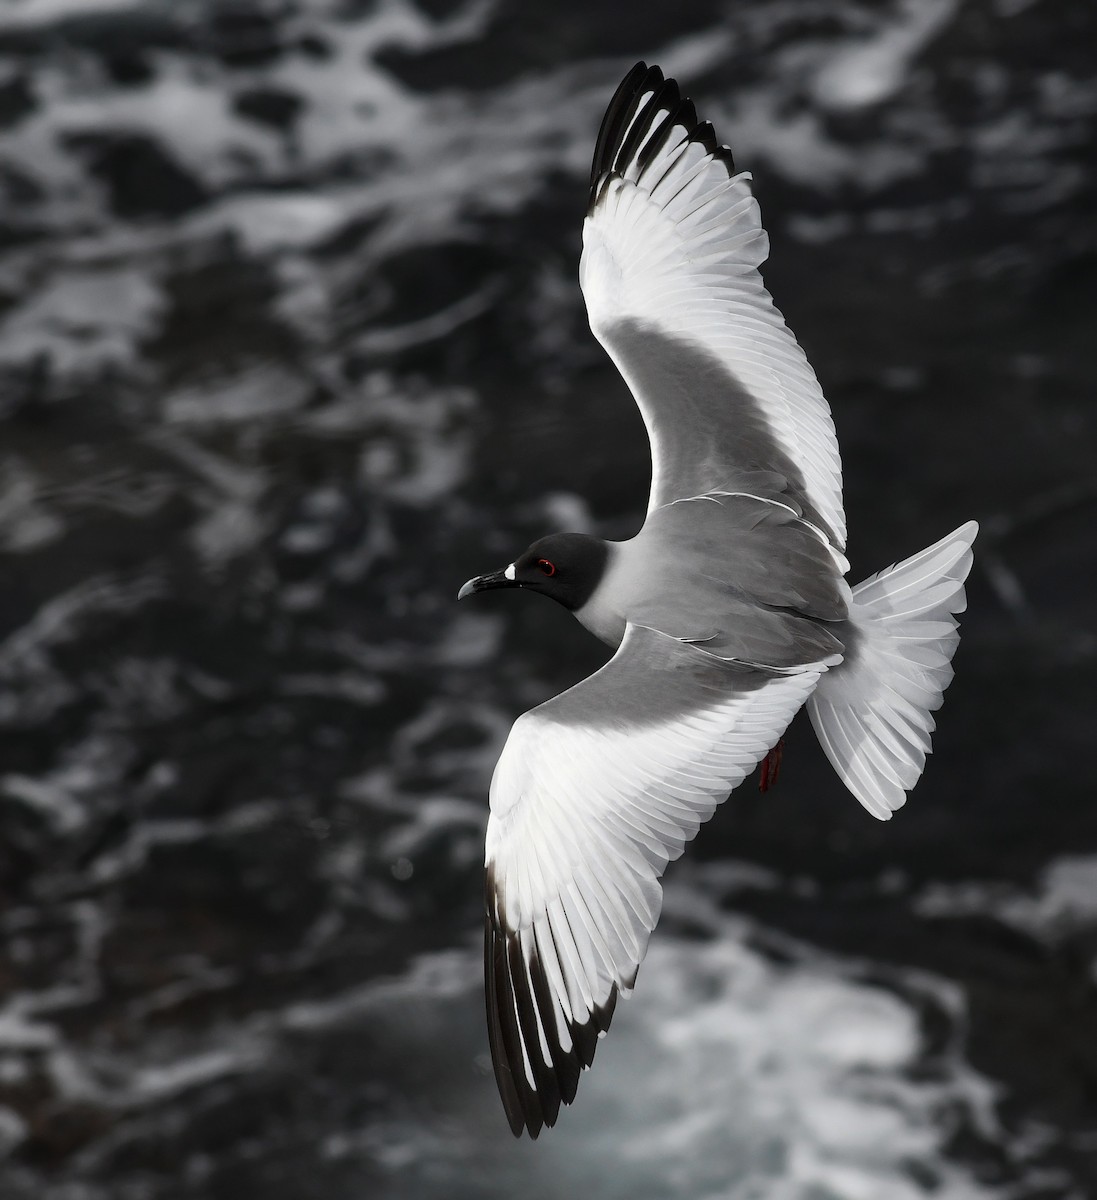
(594, 792)
(672, 244)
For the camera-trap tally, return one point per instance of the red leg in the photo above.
(771, 767)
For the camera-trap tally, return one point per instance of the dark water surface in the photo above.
(291, 344)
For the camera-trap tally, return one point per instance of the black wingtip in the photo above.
(530, 1016)
(664, 96)
(612, 124)
(504, 1080)
(522, 1021)
(617, 144)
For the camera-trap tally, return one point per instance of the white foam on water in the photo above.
(274, 222)
(33, 684)
(19, 1032)
(1063, 900)
(483, 152)
(228, 494)
(867, 70)
(27, 519)
(425, 429)
(795, 143)
(416, 168)
(46, 798)
(261, 390)
(13, 1130)
(151, 1084)
(479, 152)
(471, 639)
(84, 318)
(727, 1074)
(29, 13)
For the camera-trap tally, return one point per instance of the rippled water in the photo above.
(290, 345)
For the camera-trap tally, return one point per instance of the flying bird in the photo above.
(729, 610)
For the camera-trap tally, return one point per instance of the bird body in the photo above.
(699, 563)
(729, 610)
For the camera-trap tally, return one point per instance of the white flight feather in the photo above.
(675, 247)
(584, 820)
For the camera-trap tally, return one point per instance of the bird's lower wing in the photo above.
(594, 793)
(672, 244)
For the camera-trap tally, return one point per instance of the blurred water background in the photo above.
(291, 344)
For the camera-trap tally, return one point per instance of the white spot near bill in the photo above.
(509, 572)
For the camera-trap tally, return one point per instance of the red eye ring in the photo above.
(545, 567)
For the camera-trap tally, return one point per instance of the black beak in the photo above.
(484, 583)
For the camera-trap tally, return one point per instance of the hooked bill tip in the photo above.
(485, 583)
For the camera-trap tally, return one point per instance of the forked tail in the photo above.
(872, 712)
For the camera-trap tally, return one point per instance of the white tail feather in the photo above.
(872, 712)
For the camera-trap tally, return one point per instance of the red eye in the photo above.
(545, 567)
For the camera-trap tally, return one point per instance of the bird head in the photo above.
(564, 566)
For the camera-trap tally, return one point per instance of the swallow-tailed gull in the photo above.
(729, 610)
